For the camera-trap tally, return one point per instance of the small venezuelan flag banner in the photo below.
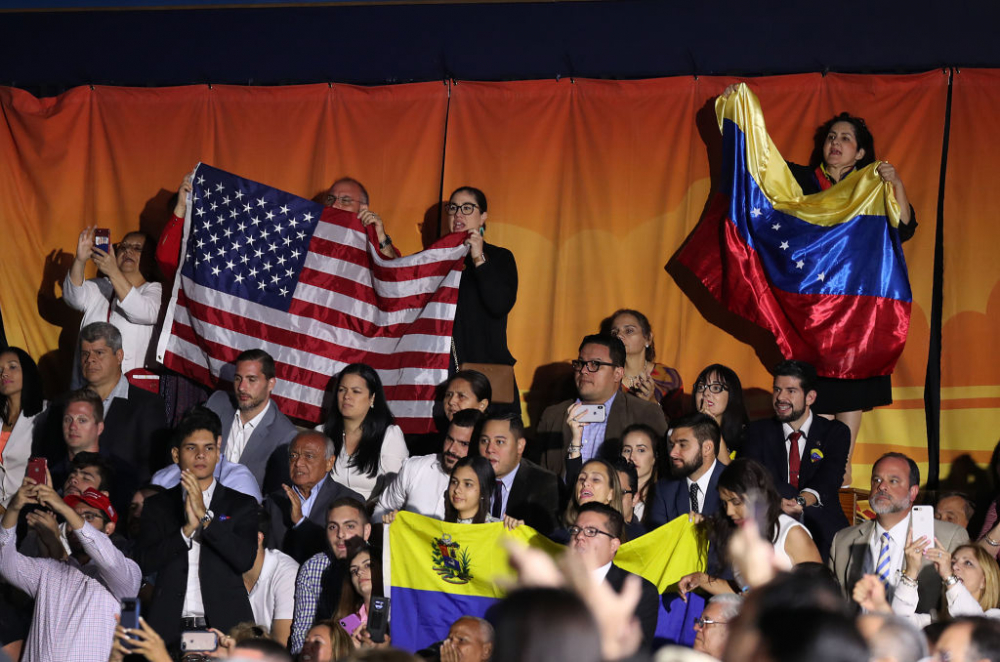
(439, 571)
(824, 273)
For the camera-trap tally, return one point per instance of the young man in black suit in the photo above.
(524, 490)
(805, 453)
(198, 527)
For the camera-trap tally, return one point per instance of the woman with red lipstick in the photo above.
(747, 493)
(20, 403)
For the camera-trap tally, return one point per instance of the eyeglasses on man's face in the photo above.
(703, 622)
(345, 200)
(591, 366)
(589, 531)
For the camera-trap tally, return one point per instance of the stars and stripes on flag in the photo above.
(824, 273)
(262, 268)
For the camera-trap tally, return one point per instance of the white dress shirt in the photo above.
(418, 488)
(702, 482)
(239, 434)
(897, 543)
(193, 604)
(273, 596)
(787, 430)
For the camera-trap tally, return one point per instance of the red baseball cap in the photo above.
(94, 499)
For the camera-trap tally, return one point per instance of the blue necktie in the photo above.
(884, 561)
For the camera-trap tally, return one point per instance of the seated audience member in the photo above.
(467, 389)
(298, 513)
(878, 546)
(628, 477)
(317, 587)
(255, 433)
(545, 625)
(20, 403)
(70, 599)
(233, 475)
(120, 296)
(975, 639)
(326, 641)
(713, 624)
(423, 480)
(646, 450)
(270, 583)
(82, 425)
(134, 419)
(694, 471)
(596, 535)
(362, 581)
(956, 508)
(718, 392)
(970, 576)
(643, 376)
(598, 374)
(470, 639)
(369, 445)
(199, 537)
(523, 490)
(891, 638)
(741, 482)
(808, 477)
(260, 648)
(135, 507)
(597, 482)
(470, 492)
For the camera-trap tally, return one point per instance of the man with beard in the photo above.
(692, 486)
(805, 454)
(423, 480)
(876, 547)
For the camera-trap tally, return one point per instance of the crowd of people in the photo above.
(238, 527)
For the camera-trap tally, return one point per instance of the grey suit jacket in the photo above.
(850, 551)
(266, 453)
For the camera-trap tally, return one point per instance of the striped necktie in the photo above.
(884, 561)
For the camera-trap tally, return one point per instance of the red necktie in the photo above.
(794, 461)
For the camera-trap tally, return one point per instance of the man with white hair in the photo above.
(713, 624)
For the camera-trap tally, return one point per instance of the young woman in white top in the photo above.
(368, 443)
(20, 403)
(744, 487)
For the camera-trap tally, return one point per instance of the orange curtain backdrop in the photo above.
(594, 185)
(970, 361)
(114, 156)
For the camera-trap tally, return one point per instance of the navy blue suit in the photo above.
(822, 469)
(672, 498)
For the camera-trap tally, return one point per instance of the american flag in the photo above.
(264, 268)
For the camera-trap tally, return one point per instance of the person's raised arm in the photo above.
(84, 248)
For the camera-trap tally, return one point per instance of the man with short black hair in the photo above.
(298, 513)
(693, 484)
(805, 453)
(270, 584)
(200, 537)
(598, 371)
(524, 490)
(421, 483)
(596, 535)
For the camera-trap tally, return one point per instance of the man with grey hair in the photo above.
(892, 638)
(298, 513)
(350, 195)
(135, 420)
(713, 624)
(470, 639)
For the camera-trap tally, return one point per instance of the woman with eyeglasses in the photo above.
(20, 402)
(487, 291)
(748, 493)
(644, 377)
(719, 393)
(470, 494)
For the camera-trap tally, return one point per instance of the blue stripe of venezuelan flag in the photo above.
(420, 617)
(861, 256)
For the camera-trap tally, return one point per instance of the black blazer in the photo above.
(228, 549)
(534, 497)
(486, 295)
(266, 452)
(822, 470)
(648, 609)
(309, 537)
(671, 499)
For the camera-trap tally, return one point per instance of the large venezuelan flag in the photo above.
(437, 571)
(824, 273)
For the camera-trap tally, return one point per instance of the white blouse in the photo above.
(15, 457)
(393, 453)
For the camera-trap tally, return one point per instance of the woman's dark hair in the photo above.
(475, 193)
(647, 330)
(31, 386)
(377, 421)
(544, 625)
(573, 508)
(487, 482)
(478, 382)
(744, 478)
(864, 137)
(612, 449)
(350, 600)
(735, 418)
